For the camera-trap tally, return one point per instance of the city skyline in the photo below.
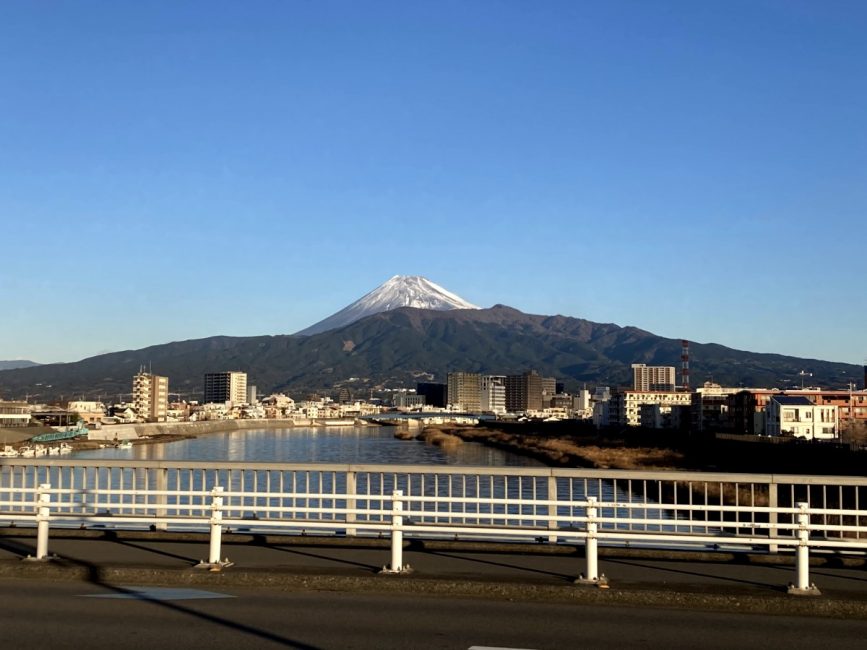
(176, 172)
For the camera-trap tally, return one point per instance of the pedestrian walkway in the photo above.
(537, 572)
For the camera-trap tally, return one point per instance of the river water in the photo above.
(369, 445)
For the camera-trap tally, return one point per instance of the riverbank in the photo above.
(154, 433)
(561, 451)
(187, 429)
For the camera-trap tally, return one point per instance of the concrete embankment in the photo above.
(174, 429)
(189, 429)
(13, 435)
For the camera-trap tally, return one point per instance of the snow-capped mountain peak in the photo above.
(398, 291)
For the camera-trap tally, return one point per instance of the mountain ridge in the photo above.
(398, 347)
(12, 364)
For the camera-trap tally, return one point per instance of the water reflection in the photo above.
(374, 445)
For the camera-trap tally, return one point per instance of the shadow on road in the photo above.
(94, 576)
(476, 560)
(294, 551)
(697, 574)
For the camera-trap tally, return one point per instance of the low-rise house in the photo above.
(796, 415)
(90, 412)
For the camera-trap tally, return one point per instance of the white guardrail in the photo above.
(759, 512)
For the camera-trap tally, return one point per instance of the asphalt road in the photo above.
(37, 614)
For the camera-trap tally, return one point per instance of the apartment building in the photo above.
(150, 397)
(710, 408)
(14, 414)
(464, 390)
(624, 407)
(549, 390)
(493, 394)
(524, 392)
(653, 378)
(404, 400)
(229, 386)
(434, 394)
(747, 407)
(796, 415)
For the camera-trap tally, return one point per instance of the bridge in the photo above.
(426, 415)
(67, 434)
(714, 512)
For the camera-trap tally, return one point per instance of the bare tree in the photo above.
(854, 433)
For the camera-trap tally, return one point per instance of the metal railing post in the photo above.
(216, 522)
(162, 499)
(350, 502)
(397, 565)
(802, 586)
(552, 509)
(592, 577)
(43, 519)
(773, 517)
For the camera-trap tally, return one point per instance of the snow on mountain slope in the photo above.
(399, 291)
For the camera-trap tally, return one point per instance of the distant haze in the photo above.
(16, 363)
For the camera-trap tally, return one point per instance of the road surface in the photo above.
(38, 614)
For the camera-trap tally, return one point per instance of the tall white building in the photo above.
(493, 394)
(221, 387)
(582, 406)
(656, 378)
(150, 396)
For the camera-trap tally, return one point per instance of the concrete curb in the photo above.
(766, 601)
(611, 552)
(771, 603)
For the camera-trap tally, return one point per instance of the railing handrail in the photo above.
(560, 504)
(540, 472)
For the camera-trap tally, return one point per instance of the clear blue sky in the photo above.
(175, 170)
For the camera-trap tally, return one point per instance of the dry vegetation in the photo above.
(568, 452)
(439, 436)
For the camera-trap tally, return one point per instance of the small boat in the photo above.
(8, 451)
(126, 444)
(27, 452)
(65, 448)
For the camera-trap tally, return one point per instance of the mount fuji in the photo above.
(398, 291)
(409, 329)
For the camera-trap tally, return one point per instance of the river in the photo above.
(369, 445)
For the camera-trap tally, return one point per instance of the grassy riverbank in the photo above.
(561, 451)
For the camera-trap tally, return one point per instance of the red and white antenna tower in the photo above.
(684, 366)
